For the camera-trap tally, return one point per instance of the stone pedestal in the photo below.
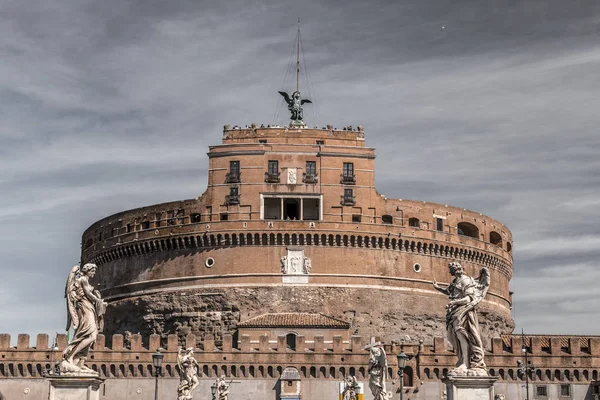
(75, 388)
(470, 387)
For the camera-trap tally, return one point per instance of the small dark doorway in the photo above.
(290, 341)
(291, 209)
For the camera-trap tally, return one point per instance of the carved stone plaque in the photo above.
(295, 267)
(292, 176)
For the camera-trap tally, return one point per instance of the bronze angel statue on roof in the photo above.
(85, 314)
(465, 293)
(295, 104)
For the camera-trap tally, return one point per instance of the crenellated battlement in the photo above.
(556, 358)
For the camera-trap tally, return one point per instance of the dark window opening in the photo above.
(355, 217)
(496, 239)
(195, 218)
(290, 341)
(224, 217)
(145, 224)
(311, 210)
(310, 176)
(541, 391)
(129, 228)
(272, 208)
(414, 222)
(439, 224)
(320, 142)
(272, 174)
(508, 247)
(233, 176)
(262, 141)
(348, 197)
(565, 390)
(157, 220)
(467, 229)
(291, 209)
(289, 383)
(100, 237)
(234, 196)
(348, 176)
(387, 219)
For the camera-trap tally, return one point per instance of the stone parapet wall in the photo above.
(132, 358)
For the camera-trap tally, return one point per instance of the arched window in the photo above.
(387, 219)
(508, 247)
(414, 222)
(467, 229)
(495, 239)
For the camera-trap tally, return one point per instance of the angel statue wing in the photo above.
(286, 97)
(482, 285)
(180, 360)
(71, 296)
(305, 101)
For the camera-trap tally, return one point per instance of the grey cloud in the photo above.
(111, 105)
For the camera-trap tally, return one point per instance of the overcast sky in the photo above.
(110, 105)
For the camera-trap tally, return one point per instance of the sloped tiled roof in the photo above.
(294, 320)
(545, 339)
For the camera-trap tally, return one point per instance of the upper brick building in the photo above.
(291, 222)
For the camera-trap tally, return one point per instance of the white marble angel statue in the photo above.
(188, 373)
(377, 371)
(351, 388)
(465, 293)
(85, 313)
(222, 388)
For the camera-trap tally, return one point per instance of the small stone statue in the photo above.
(377, 370)
(188, 375)
(351, 388)
(85, 313)
(295, 105)
(222, 389)
(465, 293)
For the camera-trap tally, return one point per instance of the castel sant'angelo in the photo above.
(291, 222)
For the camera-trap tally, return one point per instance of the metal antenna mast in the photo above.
(298, 59)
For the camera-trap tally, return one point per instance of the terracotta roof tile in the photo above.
(545, 340)
(294, 320)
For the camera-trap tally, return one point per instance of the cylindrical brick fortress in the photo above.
(202, 265)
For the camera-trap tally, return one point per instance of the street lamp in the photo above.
(402, 358)
(157, 362)
(213, 391)
(526, 368)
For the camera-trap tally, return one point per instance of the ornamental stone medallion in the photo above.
(292, 176)
(294, 266)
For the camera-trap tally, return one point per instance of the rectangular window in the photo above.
(348, 169)
(311, 168)
(596, 389)
(233, 191)
(223, 217)
(273, 167)
(234, 167)
(262, 141)
(355, 218)
(348, 197)
(439, 224)
(320, 142)
(195, 218)
(145, 224)
(541, 391)
(565, 390)
(129, 228)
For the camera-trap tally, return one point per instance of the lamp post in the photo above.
(157, 362)
(402, 358)
(525, 368)
(213, 391)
